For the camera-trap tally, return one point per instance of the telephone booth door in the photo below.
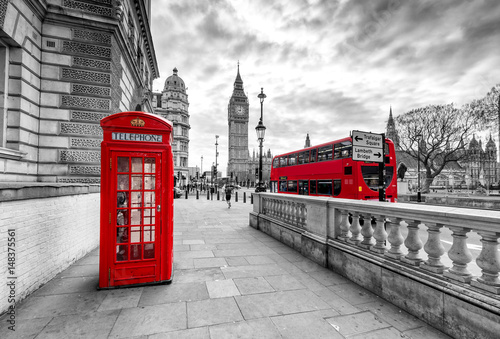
(136, 178)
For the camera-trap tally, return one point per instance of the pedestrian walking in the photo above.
(229, 191)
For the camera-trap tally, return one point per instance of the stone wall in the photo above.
(329, 232)
(53, 225)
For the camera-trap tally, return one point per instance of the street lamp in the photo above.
(419, 194)
(216, 155)
(261, 131)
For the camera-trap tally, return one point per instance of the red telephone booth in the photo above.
(136, 244)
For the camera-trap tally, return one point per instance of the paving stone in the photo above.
(209, 262)
(121, 298)
(251, 271)
(68, 285)
(150, 320)
(194, 254)
(222, 288)
(93, 325)
(357, 323)
(193, 242)
(183, 264)
(60, 304)
(354, 294)
(336, 302)
(79, 271)
(24, 328)
(259, 260)
(253, 285)
(212, 312)
(173, 293)
(198, 275)
(309, 325)
(237, 261)
(242, 252)
(393, 315)
(284, 282)
(190, 333)
(307, 265)
(204, 247)
(279, 303)
(386, 333)
(250, 329)
(425, 332)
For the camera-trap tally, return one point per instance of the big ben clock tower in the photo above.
(237, 116)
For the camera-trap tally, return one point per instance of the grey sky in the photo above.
(327, 67)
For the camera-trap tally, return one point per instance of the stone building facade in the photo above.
(65, 65)
(479, 167)
(172, 103)
(241, 165)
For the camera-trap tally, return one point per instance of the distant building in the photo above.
(240, 165)
(478, 168)
(65, 65)
(172, 103)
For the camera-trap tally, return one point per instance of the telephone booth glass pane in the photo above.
(136, 208)
(123, 164)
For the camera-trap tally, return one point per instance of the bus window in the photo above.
(347, 170)
(313, 187)
(276, 162)
(283, 186)
(325, 187)
(304, 187)
(337, 187)
(283, 161)
(292, 186)
(343, 150)
(370, 176)
(292, 159)
(325, 153)
(303, 157)
(313, 154)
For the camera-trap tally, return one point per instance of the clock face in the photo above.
(239, 110)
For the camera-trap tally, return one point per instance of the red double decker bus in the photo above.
(328, 170)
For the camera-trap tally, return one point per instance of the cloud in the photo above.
(328, 67)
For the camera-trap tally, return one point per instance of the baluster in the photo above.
(344, 226)
(489, 262)
(304, 215)
(414, 244)
(355, 229)
(295, 218)
(264, 206)
(280, 209)
(380, 235)
(287, 211)
(459, 255)
(395, 239)
(434, 249)
(366, 232)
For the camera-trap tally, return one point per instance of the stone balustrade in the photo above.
(369, 241)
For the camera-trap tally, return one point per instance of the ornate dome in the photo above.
(474, 144)
(175, 82)
(490, 145)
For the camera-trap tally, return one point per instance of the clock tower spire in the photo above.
(237, 114)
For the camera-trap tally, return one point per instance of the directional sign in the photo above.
(367, 154)
(367, 139)
(367, 147)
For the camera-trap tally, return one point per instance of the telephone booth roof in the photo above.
(133, 119)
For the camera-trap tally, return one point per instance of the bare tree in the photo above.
(487, 110)
(435, 136)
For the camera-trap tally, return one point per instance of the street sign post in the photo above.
(369, 147)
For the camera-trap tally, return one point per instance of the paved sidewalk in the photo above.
(230, 281)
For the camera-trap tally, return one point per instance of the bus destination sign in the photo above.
(367, 147)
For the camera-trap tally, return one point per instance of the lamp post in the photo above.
(261, 131)
(216, 155)
(419, 194)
